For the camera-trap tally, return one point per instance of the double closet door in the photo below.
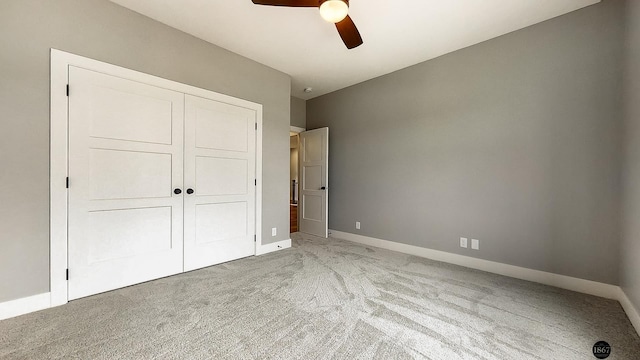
(160, 182)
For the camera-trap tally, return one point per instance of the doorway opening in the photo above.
(294, 165)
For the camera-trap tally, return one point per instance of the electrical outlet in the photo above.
(357, 225)
(274, 231)
(475, 244)
(463, 242)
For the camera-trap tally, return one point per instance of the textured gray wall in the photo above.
(630, 248)
(105, 31)
(298, 112)
(514, 141)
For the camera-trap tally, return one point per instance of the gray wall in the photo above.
(630, 248)
(514, 141)
(104, 31)
(298, 112)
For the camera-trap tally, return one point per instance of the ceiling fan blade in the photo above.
(349, 33)
(292, 3)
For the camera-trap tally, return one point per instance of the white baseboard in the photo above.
(25, 305)
(38, 302)
(565, 282)
(632, 312)
(278, 245)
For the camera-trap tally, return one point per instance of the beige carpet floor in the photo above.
(326, 299)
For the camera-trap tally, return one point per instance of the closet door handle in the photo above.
(177, 191)
(189, 191)
(323, 188)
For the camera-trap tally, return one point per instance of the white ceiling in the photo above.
(396, 33)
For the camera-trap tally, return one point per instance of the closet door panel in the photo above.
(220, 169)
(125, 159)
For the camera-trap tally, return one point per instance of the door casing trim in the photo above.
(59, 154)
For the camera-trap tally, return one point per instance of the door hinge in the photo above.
(256, 126)
(67, 274)
(67, 182)
(67, 89)
(255, 238)
(255, 182)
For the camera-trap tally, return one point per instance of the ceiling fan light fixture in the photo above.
(334, 11)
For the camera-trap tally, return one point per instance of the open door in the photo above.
(314, 198)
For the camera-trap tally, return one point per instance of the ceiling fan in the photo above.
(335, 11)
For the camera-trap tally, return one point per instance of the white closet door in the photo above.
(125, 160)
(219, 214)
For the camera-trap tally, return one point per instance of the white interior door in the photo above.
(125, 160)
(219, 214)
(314, 179)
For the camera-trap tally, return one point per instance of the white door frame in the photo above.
(296, 129)
(60, 62)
